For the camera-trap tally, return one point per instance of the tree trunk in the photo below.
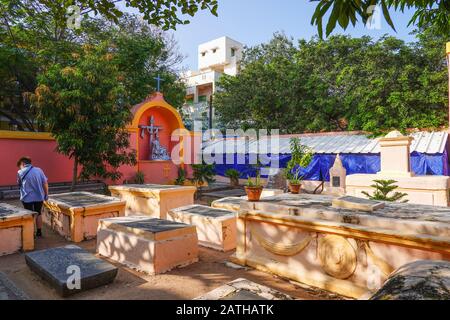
(74, 174)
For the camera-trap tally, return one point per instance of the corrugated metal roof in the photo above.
(424, 142)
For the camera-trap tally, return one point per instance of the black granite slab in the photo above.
(52, 265)
(78, 199)
(153, 225)
(5, 212)
(9, 291)
(208, 211)
(225, 194)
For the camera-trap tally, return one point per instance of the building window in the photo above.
(233, 52)
(214, 50)
(203, 53)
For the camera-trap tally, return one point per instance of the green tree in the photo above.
(341, 83)
(428, 13)
(384, 191)
(85, 107)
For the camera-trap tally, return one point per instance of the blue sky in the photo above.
(254, 21)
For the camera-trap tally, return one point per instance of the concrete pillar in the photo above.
(395, 155)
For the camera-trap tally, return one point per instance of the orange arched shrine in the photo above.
(169, 122)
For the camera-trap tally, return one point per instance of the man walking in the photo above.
(33, 186)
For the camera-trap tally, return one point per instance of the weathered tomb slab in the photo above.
(16, 229)
(224, 194)
(420, 280)
(153, 200)
(146, 244)
(243, 289)
(216, 228)
(229, 203)
(75, 215)
(60, 266)
(9, 291)
(359, 204)
(306, 239)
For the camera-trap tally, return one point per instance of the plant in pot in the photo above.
(234, 176)
(254, 187)
(202, 174)
(301, 157)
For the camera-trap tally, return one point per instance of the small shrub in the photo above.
(382, 190)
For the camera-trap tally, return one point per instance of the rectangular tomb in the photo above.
(216, 228)
(349, 252)
(230, 203)
(146, 244)
(70, 269)
(75, 215)
(16, 229)
(153, 200)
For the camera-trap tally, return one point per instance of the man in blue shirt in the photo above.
(33, 186)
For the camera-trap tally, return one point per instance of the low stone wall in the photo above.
(306, 239)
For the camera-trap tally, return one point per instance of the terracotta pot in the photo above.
(253, 193)
(294, 188)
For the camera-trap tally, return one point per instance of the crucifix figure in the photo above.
(151, 129)
(157, 152)
(158, 83)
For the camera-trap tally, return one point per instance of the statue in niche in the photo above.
(157, 151)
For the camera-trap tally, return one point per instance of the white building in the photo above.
(215, 58)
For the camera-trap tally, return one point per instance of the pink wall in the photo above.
(57, 167)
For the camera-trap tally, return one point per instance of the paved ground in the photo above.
(185, 283)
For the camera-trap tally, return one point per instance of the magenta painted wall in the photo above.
(57, 167)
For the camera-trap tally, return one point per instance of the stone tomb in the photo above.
(216, 228)
(230, 203)
(60, 266)
(16, 229)
(243, 289)
(9, 291)
(75, 215)
(153, 200)
(349, 252)
(149, 245)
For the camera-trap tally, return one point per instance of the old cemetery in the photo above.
(354, 236)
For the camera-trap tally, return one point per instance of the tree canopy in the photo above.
(341, 83)
(428, 13)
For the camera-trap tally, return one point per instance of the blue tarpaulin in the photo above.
(318, 170)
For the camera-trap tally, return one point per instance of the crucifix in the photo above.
(158, 83)
(151, 129)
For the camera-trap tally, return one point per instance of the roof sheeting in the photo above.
(424, 142)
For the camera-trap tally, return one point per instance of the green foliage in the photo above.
(427, 13)
(234, 176)
(85, 108)
(34, 36)
(301, 156)
(139, 178)
(338, 84)
(254, 182)
(182, 176)
(203, 173)
(382, 190)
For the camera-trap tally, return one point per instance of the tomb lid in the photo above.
(205, 211)
(148, 228)
(152, 188)
(357, 204)
(9, 212)
(82, 200)
(56, 265)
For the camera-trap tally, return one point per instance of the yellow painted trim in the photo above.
(25, 135)
(154, 104)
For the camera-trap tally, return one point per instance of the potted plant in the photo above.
(234, 176)
(202, 174)
(301, 156)
(254, 188)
